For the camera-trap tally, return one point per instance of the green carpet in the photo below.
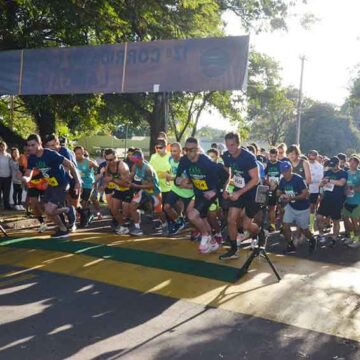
(133, 256)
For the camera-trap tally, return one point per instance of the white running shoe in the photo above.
(17, 208)
(204, 246)
(21, 208)
(42, 228)
(213, 246)
(122, 230)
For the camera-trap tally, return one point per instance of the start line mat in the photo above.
(311, 295)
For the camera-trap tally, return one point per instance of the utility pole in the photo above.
(299, 109)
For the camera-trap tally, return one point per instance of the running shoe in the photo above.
(204, 244)
(173, 228)
(136, 232)
(122, 230)
(42, 228)
(72, 228)
(60, 234)
(230, 255)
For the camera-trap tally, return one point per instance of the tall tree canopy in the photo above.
(47, 23)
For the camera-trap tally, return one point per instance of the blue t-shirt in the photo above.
(204, 173)
(240, 168)
(273, 169)
(334, 192)
(294, 187)
(50, 166)
(68, 154)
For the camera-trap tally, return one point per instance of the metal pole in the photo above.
(12, 112)
(166, 111)
(299, 109)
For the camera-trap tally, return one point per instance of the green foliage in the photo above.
(270, 107)
(46, 23)
(327, 130)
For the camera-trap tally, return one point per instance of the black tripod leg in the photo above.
(3, 231)
(243, 270)
(263, 252)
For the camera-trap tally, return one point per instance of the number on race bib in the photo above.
(329, 187)
(200, 184)
(239, 181)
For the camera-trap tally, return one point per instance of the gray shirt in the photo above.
(5, 170)
(15, 172)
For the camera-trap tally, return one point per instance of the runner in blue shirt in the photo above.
(244, 176)
(294, 195)
(52, 142)
(203, 174)
(52, 166)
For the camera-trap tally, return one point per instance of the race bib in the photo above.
(239, 181)
(200, 184)
(290, 193)
(112, 186)
(329, 187)
(52, 182)
(137, 178)
(274, 180)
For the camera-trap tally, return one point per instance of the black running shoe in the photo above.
(290, 248)
(231, 254)
(60, 234)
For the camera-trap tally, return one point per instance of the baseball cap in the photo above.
(285, 166)
(313, 152)
(333, 161)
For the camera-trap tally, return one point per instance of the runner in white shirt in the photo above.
(317, 173)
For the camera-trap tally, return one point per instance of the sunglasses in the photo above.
(107, 159)
(159, 147)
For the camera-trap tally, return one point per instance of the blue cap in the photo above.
(285, 166)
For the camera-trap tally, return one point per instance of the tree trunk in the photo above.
(157, 119)
(41, 108)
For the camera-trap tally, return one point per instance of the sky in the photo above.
(331, 46)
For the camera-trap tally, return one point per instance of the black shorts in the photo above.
(86, 194)
(273, 198)
(173, 198)
(247, 203)
(108, 191)
(125, 196)
(55, 195)
(313, 198)
(330, 208)
(35, 193)
(202, 205)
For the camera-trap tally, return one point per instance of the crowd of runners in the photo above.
(215, 193)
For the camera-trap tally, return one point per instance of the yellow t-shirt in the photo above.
(162, 166)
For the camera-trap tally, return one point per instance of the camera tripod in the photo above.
(259, 250)
(260, 247)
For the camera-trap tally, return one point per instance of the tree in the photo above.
(47, 23)
(327, 130)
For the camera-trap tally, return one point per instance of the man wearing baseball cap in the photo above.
(333, 185)
(293, 194)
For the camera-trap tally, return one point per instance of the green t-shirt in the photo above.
(161, 165)
(353, 181)
(184, 193)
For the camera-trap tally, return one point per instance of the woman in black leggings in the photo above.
(16, 179)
